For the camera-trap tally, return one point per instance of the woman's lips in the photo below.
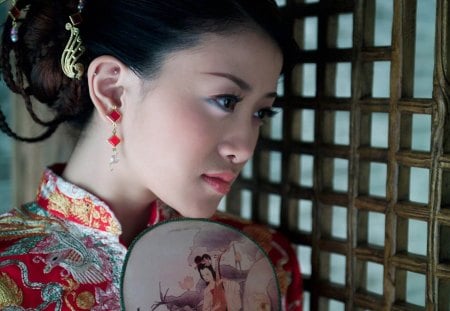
(220, 182)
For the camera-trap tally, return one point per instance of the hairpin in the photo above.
(74, 48)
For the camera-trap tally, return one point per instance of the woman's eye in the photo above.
(225, 102)
(266, 113)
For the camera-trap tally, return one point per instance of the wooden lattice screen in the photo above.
(317, 165)
(299, 170)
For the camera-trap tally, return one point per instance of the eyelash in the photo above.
(228, 107)
(267, 113)
(262, 114)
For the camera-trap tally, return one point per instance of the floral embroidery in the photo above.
(106, 299)
(85, 300)
(10, 293)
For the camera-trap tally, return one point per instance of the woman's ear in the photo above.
(105, 78)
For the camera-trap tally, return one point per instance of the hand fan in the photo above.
(197, 264)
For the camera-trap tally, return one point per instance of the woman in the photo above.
(170, 96)
(219, 294)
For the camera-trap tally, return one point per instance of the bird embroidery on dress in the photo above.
(75, 253)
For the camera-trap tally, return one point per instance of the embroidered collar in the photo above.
(66, 200)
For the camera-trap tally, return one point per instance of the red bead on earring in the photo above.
(114, 116)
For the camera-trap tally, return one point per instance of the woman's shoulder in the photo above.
(45, 261)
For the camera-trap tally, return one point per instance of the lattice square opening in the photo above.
(384, 12)
(333, 222)
(419, 185)
(304, 256)
(415, 288)
(421, 132)
(274, 209)
(340, 174)
(276, 126)
(306, 32)
(374, 278)
(379, 133)
(331, 304)
(332, 267)
(411, 288)
(306, 165)
(280, 86)
(415, 132)
(414, 184)
(306, 301)
(343, 82)
(271, 166)
(246, 204)
(303, 125)
(305, 215)
(304, 80)
(417, 237)
(372, 179)
(425, 48)
(342, 127)
(339, 222)
(222, 205)
(247, 170)
(345, 31)
(378, 179)
(376, 228)
(381, 79)
(370, 228)
(310, 32)
(335, 174)
(411, 236)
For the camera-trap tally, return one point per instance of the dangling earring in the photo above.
(114, 116)
(14, 13)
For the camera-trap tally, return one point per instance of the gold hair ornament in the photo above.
(74, 48)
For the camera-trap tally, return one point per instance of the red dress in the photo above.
(63, 251)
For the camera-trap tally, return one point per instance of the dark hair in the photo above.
(140, 33)
(201, 265)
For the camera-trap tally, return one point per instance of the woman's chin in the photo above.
(199, 212)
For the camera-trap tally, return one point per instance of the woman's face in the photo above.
(207, 275)
(188, 133)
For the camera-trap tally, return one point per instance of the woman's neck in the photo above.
(89, 168)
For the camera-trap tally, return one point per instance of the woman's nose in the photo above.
(238, 143)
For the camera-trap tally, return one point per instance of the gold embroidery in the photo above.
(10, 293)
(84, 210)
(283, 279)
(21, 224)
(85, 300)
(70, 291)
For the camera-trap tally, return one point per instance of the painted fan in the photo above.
(197, 264)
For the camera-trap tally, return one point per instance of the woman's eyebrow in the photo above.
(239, 82)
